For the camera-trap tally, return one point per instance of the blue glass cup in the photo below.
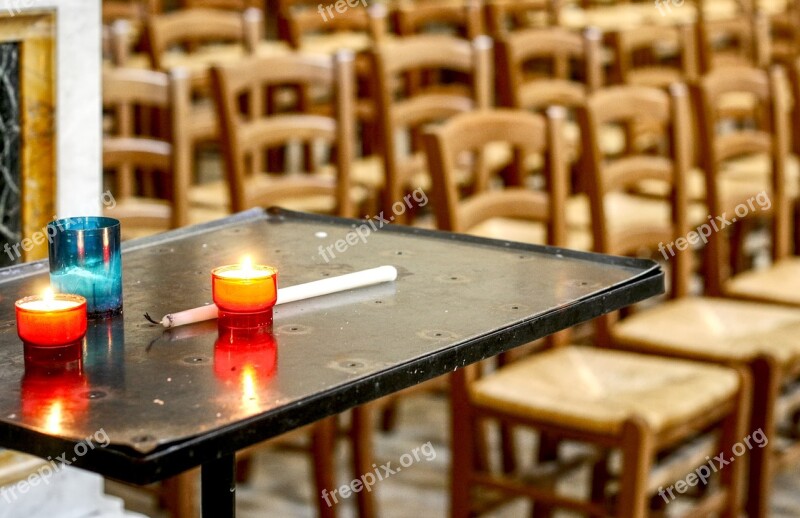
(86, 260)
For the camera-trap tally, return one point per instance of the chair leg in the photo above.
(600, 479)
(733, 429)
(322, 448)
(361, 439)
(637, 457)
(389, 415)
(462, 446)
(178, 495)
(509, 451)
(765, 391)
(244, 468)
(548, 451)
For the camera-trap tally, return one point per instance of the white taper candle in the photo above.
(308, 290)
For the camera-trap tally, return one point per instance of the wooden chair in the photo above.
(126, 10)
(191, 28)
(658, 56)
(504, 16)
(507, 210)
(468, 134)
(740, 40)
(231, 5)
(606, 399)
(356, 29)
(400, 110)
(639, 55)
(123, 27)
(463, 18)
(771, 183)
(248, 134)
(128, 152)
(538, 69)
(535, 69)
(784, 28)
(304, 20)
(752, 335)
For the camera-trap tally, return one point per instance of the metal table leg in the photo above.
(218, 488)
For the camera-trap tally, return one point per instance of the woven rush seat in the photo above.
(146, 217)
(599, 389)
(625, 210)
(741, 179)
(530, 232)
(778, 283)
(715, 329)
(215, 195)
(210, 194)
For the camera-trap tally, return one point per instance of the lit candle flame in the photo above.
(247, 266)
(48, 297)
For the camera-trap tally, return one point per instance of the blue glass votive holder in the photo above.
(86, 260)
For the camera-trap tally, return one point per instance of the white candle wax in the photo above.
(244, 274)
(294, 293)
(49, 305)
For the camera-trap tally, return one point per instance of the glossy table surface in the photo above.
(171, 400)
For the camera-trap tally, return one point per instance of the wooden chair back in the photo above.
(639, 55)
(400, 109)
(738, 41)
(555, 48)
(248, 129)
(505, 16)
(768, 134)
(302, 20)
(416, 17)
(231, 5)
(127, 150)
(526, 133)
(126, 10)
(123, 24)
(191, 28)
(631, 105)
(784, 34)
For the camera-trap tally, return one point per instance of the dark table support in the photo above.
(218, 486)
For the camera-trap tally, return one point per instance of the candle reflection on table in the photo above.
(53, 386)
(247, 358)
(104, 360)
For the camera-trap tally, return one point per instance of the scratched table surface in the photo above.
(170, 400)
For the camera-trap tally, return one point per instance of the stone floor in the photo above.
(280, 484)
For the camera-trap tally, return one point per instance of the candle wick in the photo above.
(150, 319)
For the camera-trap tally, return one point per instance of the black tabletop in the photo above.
(171, 400)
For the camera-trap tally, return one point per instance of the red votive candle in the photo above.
(51, 320)
(244, 288)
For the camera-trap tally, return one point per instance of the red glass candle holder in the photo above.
(247, 323)
(51, 321)
(244, 289)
